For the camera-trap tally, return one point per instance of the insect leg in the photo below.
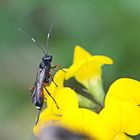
(57, 65)
(53, 80)
(45, 98)
(51, 97)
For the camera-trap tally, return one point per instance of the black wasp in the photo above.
(43, 76)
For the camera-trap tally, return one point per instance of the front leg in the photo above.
(57, 65)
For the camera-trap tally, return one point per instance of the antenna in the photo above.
(48, 35)
(32, 39)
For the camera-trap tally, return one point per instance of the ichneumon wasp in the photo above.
(43, 76)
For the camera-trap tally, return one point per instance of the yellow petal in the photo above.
(101, 59)
(122, 136)
(132, 113)
(80, 55)
(85, 122)
(125, 89)
(90, 67)
(83, 73)
(66, 99)
(58, 79)
(121, 117)
(90, 70)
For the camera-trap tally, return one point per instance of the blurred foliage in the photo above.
(102, 27)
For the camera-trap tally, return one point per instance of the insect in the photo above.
(43, 76)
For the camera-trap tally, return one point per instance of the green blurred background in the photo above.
(108, 27)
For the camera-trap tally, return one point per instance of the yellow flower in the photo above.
(65, 98)
(120, 115)
(121, 112)
(86, 68)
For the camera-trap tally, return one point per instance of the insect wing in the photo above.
(35, 83)
(37, 96)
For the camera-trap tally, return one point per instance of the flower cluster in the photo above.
(113, 116)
